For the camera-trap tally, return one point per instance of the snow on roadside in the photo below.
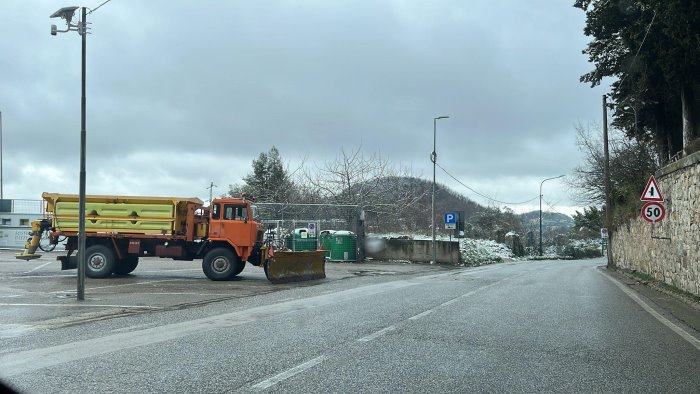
(474, 252)
(477, 252)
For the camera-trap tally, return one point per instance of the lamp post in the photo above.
(556, 177)
(433, 158)
(81, 27)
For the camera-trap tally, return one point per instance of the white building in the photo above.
(16, 218)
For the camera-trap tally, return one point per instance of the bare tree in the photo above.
(631, 163)
(383, 191)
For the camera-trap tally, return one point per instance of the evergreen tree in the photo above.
(269, 180)
(651, 47)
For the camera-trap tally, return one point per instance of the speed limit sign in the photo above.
(653, 212)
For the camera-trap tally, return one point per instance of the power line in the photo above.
(96, 8)
(485, 196)
(551, 206)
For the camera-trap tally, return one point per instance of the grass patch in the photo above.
(661, 285)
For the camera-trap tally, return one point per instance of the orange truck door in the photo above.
(236, 226)
(215, 222)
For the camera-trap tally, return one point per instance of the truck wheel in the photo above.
(100, 261)
(126, 265)
(222, 264)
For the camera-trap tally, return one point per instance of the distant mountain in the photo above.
(549, 219)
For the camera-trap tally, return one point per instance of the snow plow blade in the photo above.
(287, 267)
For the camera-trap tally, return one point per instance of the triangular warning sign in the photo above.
(652, 191)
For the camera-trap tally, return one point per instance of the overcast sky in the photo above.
(182, 93)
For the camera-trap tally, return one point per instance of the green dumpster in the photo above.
(300, 240)
(343, 246)
(325, 240)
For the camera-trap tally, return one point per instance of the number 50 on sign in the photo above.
(653, 212)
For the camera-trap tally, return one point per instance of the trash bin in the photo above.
(300, 240)
(343, 246)
(325, 240)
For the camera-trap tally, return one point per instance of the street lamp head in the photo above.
(442, 117)
(65, 13)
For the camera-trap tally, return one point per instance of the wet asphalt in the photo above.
(546, 326)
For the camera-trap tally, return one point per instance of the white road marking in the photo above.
(39, 267)
(420, 315)
(41, 276)
(450, 302)
(122, 285)
(32, 360)
(267, 383)
(633, 295)
(377, 334)
(167, 270)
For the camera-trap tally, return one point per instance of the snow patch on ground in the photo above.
(474, 252)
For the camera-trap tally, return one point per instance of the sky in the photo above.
(181, 93)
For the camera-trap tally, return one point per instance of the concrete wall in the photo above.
(675, 261)
(416, 250)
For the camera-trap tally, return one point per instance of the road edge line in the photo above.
(636, 298)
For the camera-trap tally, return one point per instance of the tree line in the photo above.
(392, 198)
(651, 49)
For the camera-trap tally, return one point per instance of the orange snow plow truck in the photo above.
(121, 229)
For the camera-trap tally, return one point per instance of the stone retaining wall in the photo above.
(642, 246)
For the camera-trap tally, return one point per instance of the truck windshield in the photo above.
(235, 212)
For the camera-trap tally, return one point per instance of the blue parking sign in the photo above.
(450, 220)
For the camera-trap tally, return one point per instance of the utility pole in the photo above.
(211, 191)
(433, 158)
(606, 175)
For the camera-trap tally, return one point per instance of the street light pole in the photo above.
(541, 183)
(606, 175)
(433, 158)
(81, 27)
(83, 135)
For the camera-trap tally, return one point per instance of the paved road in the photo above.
(525, 327)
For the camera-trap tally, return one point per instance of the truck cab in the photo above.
(231, 220)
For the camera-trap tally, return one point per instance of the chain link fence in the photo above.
(337, 229)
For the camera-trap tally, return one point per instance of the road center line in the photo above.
(633, 295)
(377, 334)
(267, 383)
(418, 316)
